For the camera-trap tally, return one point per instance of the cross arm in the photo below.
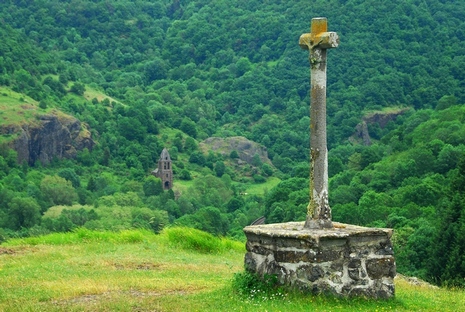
(323, 40)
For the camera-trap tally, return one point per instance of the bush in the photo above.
(253, 286)
(185, 175)
(78, 88)
(233, 154)
(258, 178)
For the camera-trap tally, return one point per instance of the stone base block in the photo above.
(346, 260)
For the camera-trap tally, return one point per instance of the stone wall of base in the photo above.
(346, 260)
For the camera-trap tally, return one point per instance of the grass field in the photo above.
(178, 270)
(16, 108)
(261, 188)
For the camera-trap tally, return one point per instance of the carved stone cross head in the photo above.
(319, 36)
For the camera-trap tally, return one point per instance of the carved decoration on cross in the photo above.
(317, 42)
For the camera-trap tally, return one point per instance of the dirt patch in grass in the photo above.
(28, 107)
(94, 298)
(17, 250)
(136, 266)
(6, 251)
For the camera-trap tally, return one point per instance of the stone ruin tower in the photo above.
(165, 170)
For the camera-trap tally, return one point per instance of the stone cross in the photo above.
(317, 42)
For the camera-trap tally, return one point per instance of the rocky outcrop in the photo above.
(383, 118)
(361, 132)
(245, 148)
(380, 117)
(50, 136)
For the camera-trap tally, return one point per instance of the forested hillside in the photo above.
(143, 75)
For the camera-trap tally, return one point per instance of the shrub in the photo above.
(253, 286)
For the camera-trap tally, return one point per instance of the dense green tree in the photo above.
(197, 158)
(446, 267)
(23, 212)
(188, 127)
(220, 168)
(190, 145)
(57, 190)
(70, 175)
(233, 154)
(78, 88)
(152, 186)
(185, 175)
(208, 219)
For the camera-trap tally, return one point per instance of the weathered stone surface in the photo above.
(380, 267)
(292, 256)
(296, 230)
(250, 263)
(354, 269)
(51, 136)
(311, 272)
(346, 260)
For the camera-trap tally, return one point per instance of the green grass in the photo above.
(260, 188)
(140, 271)
(385, 110)
(182, 185)
(16, 108)
(55, 211)
(91, 93)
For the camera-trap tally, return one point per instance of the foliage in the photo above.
(199, 241)
(58, 190)
(254, 287)
(152, 186)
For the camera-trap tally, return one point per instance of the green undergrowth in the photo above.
(178, 237)
(251, 287)
(82, 235)
(196, 240)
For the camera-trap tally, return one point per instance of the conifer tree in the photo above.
(447, 266)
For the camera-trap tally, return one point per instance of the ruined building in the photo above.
(165, 170)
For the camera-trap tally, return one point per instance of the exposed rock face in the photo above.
(52, 136)
(381, 118)
(361, 132)
(245, 148)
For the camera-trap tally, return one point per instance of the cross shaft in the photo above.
(317, 42)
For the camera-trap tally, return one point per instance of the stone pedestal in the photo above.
(346, 260)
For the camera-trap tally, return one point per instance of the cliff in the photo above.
(50, 136)
(381, 118)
